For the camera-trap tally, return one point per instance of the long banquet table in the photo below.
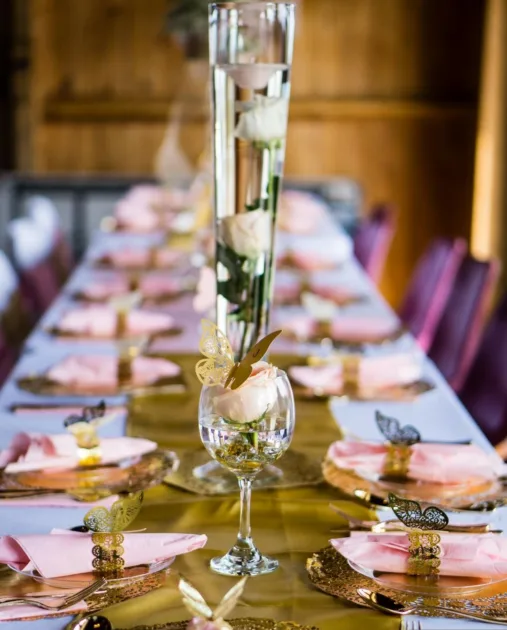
(290, 524)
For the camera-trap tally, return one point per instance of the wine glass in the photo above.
(245, 430)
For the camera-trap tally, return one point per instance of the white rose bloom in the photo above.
(265, 120)
(251, 400)
(248, 233)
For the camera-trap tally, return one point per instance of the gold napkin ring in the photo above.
(84, 429)
(424, 552)
(350, 374)
(397, 460)
(107, 552)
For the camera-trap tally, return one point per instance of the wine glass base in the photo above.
(236, 566)
(222, 480)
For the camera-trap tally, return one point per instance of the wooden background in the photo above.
(384, 91)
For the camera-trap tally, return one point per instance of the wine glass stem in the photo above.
(244, 534)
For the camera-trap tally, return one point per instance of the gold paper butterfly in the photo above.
(411, 514)
(392, 430)
(198, 607)
(219, 368)
(116, 519)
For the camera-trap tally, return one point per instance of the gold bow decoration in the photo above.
(424, 539)
(197, 606)
(218, 367)
(107, 526)
(400, 441)
(84, 427)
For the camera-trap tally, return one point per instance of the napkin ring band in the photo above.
(107, 552)
(121, 323)
(350, 374)
(424, 552)
(397, 460)
(323, 330)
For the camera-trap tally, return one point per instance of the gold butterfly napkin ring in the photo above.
(423, 534)
(399, 444)
(350, 374)
(84, 429)
(107, 537)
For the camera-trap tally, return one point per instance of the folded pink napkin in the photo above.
(56, 501)
(132, 258)
(102, 290)
(467, 555)
(64, 455)
(21, 444)
(433, 463)
(149, 220)
(149, 196)
(339, 295)
(101, 321)
(374, 373)
(148, 208)
(205, 297)
(300, 212)
(347, 329)
(70, 553)
(308, 261)
(151, 286)
(101, 371)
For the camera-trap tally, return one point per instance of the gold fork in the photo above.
(56, 603)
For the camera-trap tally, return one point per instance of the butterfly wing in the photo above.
(125, 510)
(389, 427)
(408, 512)
(194, 601)
(219, 357)
(244, 369)
(434, 518)
(98, 519)
(230, 600)
(409, 435)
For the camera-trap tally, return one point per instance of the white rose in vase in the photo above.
(248, 233)
(251, 400)
(264, 121)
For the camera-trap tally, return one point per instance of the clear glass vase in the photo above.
(251, 46)
(245, 430)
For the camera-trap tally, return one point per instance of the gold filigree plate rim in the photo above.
(330, 572)
(248, 623)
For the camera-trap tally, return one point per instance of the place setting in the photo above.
(141, 259)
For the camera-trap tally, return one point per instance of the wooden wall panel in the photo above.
(384, 91)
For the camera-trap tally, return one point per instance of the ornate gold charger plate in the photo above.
(127, 476)
(238, 624)
(297, 470)
(444, 495)
(330, 572)
(41, 385)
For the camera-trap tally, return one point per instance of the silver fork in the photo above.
(411, 624)
(56, 603)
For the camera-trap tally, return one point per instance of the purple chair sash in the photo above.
(373, 240)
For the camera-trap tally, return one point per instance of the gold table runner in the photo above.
(290, 524)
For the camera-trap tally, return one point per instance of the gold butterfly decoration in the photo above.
(197, 606)
(117, 518)
(394, 432)
(219, 368)
(411, 514)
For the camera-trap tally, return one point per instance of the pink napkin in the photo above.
(434, 463)
(470, 555)
(70, 553)
(132, 258)
(100, 321)
(64, 454)
(101, 371)
(300, 212)
(309, 261)
(149, 208)
(21, 444)
(205, 297)
(289, 292)
(105, 289)
(56, 501)
(374, 373)
(151, 286)
(347, 329)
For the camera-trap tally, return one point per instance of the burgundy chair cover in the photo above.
(39, 286)
(484, 392)
(373, 240)
(430, 288)
(459, 331)
(62, 258)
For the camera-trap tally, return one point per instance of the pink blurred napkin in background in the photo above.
(292, 291)
(70, 553)
(162, 257)
(64, 453)
(434, 463)
(374, 373)
(300, 212)
(149, 208)
(347, 329)
(151, 286)
(467, 555)
(102, 371)
(101, 321)
(21, 444)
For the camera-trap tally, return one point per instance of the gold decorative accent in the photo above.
(397, 460)
(196, 604)
(394, 433)
(412, 515)
(350, 374)
(237, 624)
(219, 368)
(323, 330)
(298, 470)
(446, 496)
(84, 429)
(107, 525)
(134, 282)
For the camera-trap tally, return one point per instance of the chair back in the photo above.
(430, 288)
(459, 332)
(45, 215)
(484, 392)
(373, 238)
(31, 252)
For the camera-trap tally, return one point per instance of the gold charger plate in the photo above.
(55, 331)
(297, 470)
(443, 495)
(131, 475)
(330, 572)
(248, 623)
